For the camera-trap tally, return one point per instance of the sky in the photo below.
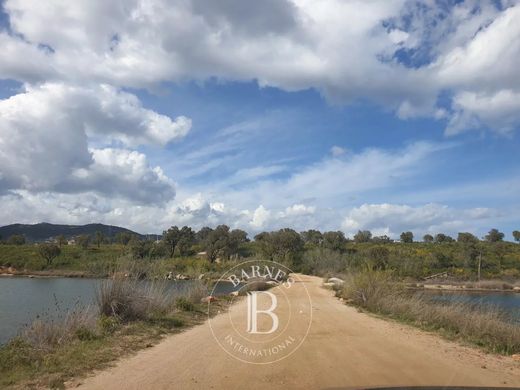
(381, 115)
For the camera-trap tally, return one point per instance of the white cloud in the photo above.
(337, 151)
(346, 50)
(499, 111)
(45, 141)
(392, 219)
(260, 217)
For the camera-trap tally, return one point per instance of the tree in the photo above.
(83, 241)
(427, 238)
(312, 237)
(516, 235)
(202, 234)
(61, 240)
(99, 238)
(284, 245)
(140, 249)
(186, 240)
(178, 239)
(216, 243)
(49, 252)
(362, 236)
(334, 240)
(441, 238)
(466, 238)
(16, 239)
(384, 239)
(123, 237)
(494, 236)
(407, 237)
(171, 237)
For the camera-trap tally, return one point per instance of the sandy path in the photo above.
(344, 349)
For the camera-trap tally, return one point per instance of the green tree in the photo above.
(171, 238)
(140, 249)
(516, 235)
(202, 234)
(363, 236)
(407, 237)
(123, 237)
(83, 241)
(466, 237)
(216, 243)
(427, 238)
(442, 238)
(384, 239)
(494, 236)
(49, 252)
(186, 240)
(16, 239)
(99, 238)
(284, 246)
(334, 240)
(312, 237)
(61, 240)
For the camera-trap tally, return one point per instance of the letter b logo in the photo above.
(252, 312)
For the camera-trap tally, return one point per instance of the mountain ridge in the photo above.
(44, 230)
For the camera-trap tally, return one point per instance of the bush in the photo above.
(45, 335)
(184, 304)
(377, 291)
(130, 299)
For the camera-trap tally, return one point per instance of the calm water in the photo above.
(508, 302)
(22, 299)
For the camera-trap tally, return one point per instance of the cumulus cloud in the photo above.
(399, 53)
(392, 219)
(499, 111)
(46, 133)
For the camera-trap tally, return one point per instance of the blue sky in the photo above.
(387, 116)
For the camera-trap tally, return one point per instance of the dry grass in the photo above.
(484, 326)
(45, 335)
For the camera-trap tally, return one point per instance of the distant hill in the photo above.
(43, 231)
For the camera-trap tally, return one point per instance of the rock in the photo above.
(335, 280)
(234, 293)
(516, 357)
(516, 288)
(201, 276)
(329, 284)
(208, 299)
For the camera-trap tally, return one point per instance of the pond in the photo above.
(508, 302)
(23, 300)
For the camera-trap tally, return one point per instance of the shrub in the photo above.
(45, 335)
(184, 304)
(130, 299)
(485, 326)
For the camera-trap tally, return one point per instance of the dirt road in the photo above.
(344, 349)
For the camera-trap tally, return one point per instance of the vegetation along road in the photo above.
(344, 349)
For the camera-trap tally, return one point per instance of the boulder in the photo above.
(208, 299)
(335, 280)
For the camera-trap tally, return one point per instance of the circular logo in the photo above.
(268, 312)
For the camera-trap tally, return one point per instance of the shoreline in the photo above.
(455, 288)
